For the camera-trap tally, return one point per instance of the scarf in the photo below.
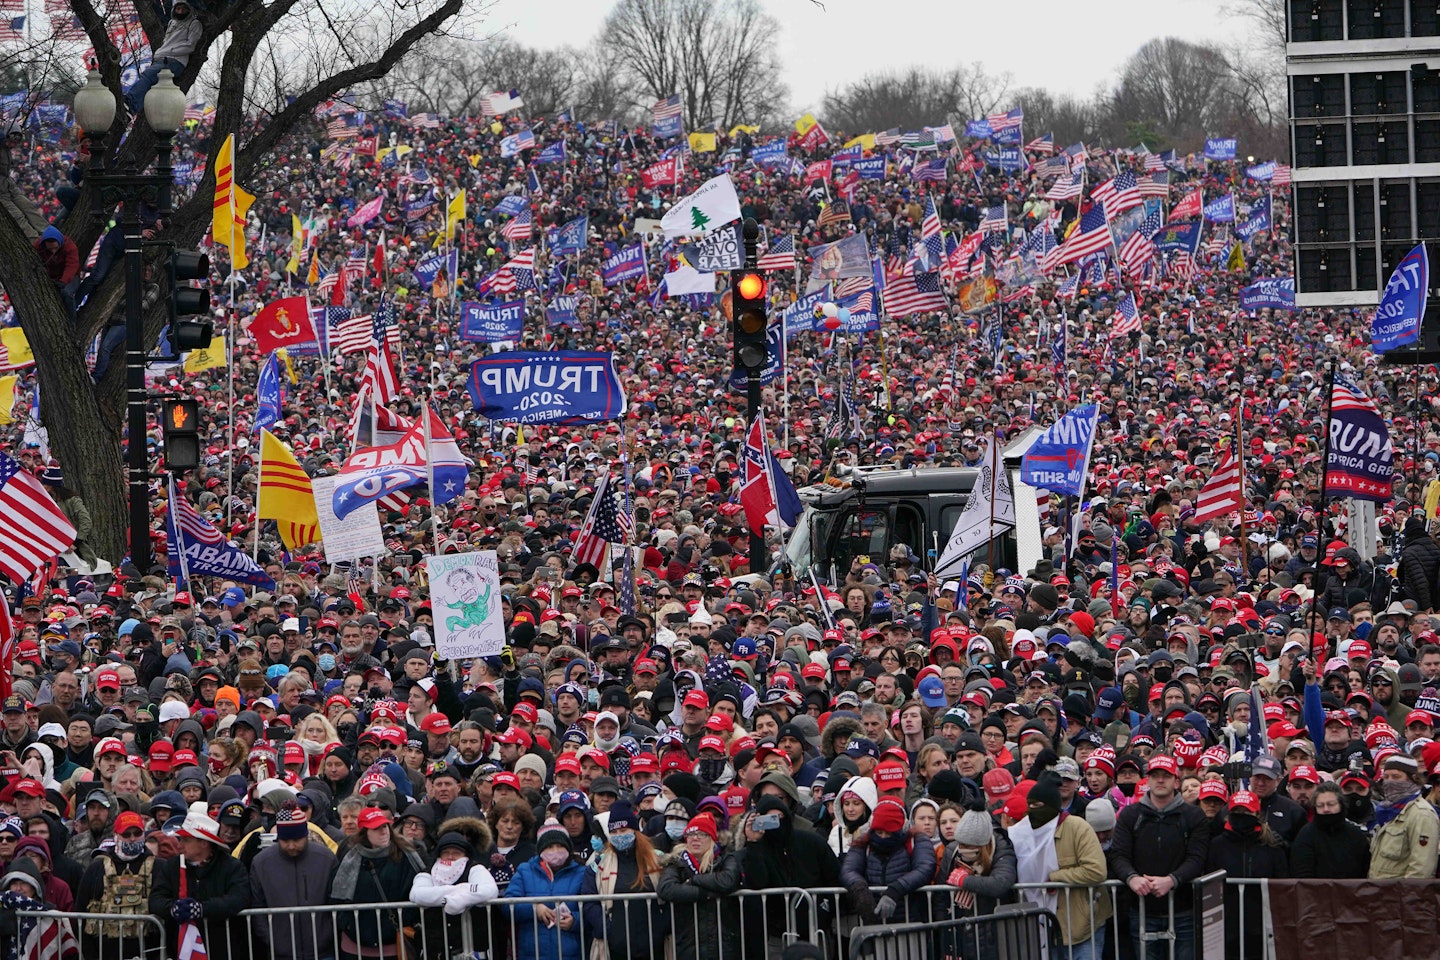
(689, 861)
(1385, 812)
(348, 874)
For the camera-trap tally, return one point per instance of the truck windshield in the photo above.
(812, 527)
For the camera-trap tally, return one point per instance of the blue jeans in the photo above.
(1091, 949)
(135, 96)
(1157, 920)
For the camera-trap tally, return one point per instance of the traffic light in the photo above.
(181, 428)
(187, 301)
(747, 297)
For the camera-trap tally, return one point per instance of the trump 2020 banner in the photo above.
(562, 386)
(1359, 460)
(1397, 319)
(492, 322)
(1277, 293)
(1220, 148)
(1059, 457)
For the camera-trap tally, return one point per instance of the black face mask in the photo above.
(180, 14)
(1329, 822)
(1128, 789)
(1039, 816)
(1359, 808)
(1243, 823)
(1162, 673)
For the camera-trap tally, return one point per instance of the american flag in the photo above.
(1138, 250)
(8, 643)
(494, 104)
(45, 937)
(12, 29)
(425, 121)
(355, 266)
(33, 529)
(836, 211)
(780, 255)
(1069, 286)
(1058, 354)
(1155, 185)
(1006, 120)
(887, 138)
(195, 111)
(1044, 146)
(520, 227)
(341, 129)
(1223, 493)
(1091, 235)
(379, 374)
(1282, 175)
(517, 274)
(603, 526)
(913, 293)
(931, 171)
(1153, 162)
(1068, 187)
(187, 520)
(1127, 317)
(1181, 266)
(930, 234)
(667, 108)
(995, 219)
(1118, 194)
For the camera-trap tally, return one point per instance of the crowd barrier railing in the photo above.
(1021, 931)
(93, 936)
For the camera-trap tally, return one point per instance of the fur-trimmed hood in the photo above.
(474, 829)
(836, 726)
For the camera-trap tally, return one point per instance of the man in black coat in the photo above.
(212, 891)
(783, 857)
(1159, 848)
(1330, 846)
(1278, 811)
(1419, 564)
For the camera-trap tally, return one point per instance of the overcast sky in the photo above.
(1062, 45)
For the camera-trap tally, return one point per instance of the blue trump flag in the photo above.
(1359, 459)
(628, 264)
(1221, 209)
(1060, 457)
(1178, 236)
(1255, 220)
(561, 311)
(1220, 148)
(427, 449)
(427, 269)
(978, 129)
(552, 153)
(1402, 308)
(511, 205)
(799, 316)
(774, 359)
(269, 395)
(666, 128)
(560, 386)
(570, 237)
(768, 153)
(195, 548)
(870, 168)
(492, 322)
(1277, 293)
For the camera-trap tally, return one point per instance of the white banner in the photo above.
(465, 602)
(979, 522)
(358, 535)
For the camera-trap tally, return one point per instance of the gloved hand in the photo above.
(885, 909)
(186, 910)
(863, 899)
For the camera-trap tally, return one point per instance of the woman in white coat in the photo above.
(456, 882)
(851, 811)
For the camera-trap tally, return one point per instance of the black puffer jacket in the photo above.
(1419, 566)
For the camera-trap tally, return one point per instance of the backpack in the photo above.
(122, 893)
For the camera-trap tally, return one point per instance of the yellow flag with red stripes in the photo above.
(232, 204)
(286, 495)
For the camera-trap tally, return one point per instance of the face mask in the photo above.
(1163, 673)
(129, 849)
(327, 662)
(712, 770)
(1039, 816)
(623, 842)
(607, 743)
(1329, 821)
(555, 857)
(218, 764)
(1243, 823)
(180, 14)
(267, 820)
(674, 829)
(593, 697)
(446, 874)
(1359, 808)
(968, 854)
(1395, 790)
(1127, 788)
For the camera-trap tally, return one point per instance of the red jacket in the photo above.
(63, 265)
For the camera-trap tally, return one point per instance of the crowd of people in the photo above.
(1260, 701)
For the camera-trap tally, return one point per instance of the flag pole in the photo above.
(430, 479)
(259, 485)
(1240, 465)
(1324, 498)
(179, 542)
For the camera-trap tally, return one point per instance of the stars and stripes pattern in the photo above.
(425, 121)
(1127, 318)
(995, 219)
(33, 528)
(906, 294)
(780, 255)
(603, 525)
(188, 521)
(1091, 235)
(668, 108)
(930, 235)
(1045, 146)
(1282, 175)
(520, 227)
(1155, 184)
(1008, 120)
(517, 274)
(1138, 249)
(379, 374)
(1223, 493)
(1067, 187)
(1118, 194)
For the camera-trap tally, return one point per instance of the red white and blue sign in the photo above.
(1397, 319)
(1059, 457)
(1359, 459)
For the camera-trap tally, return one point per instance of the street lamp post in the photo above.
(128, 188)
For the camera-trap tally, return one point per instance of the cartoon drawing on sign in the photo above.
(472, 601)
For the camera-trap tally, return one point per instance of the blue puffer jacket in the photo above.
(901, 872)
(532, 938)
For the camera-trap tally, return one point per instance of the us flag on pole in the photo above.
(1127, 317)
(780, 255)
(33, 529)
(1118, 194)
(1223, 493)
(667, 108)
(603, 526)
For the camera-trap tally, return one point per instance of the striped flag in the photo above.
(1067, 187)
(1282, 175)
(494, 104)
(380, 374)
(995, 219)
(602, 526)
(519, 227)
(8, 643)
(1044, 146)
(1155, 184)
(1127, 318)
(913, 293)
(1223, 493)
(33, 528)
(1091, 235)
(930, 235)
(668, 108)
(1118, 194)
(780, 255)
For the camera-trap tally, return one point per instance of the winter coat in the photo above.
(130, 885)
(532, 938)
(1172, 841)
(1245, 857)
(1406, 846)
(379, 880)
(222, 886)
(1419, 568)
(1081, 861)
(278, 881)
(444, 929)
(990, 889)
(63, 264)
(1337, 852)
(840, 837)
(706, 918)
(788, 857)
(629, 928)
(900, 872)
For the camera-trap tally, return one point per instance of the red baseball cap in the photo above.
(436, 723)
(182, 599)
(1245, 800)
(736, 798)
(1305, 772)
(506, 779)
(107, 680)
(30, 787)
(812, 671)
(162, 755)
(570, 763)
(1214, 790)
(697, 698)
(526, 711)
(712, 742)
(644, 763)
(184, 758)
(646, 665)
(890, 775)
(514, 735)
(1359, 650)
(1165, 762)
(720, 723)
(1419, 716)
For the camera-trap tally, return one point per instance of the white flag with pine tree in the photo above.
(704, 211)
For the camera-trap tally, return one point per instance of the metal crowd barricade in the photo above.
(398, 930)
(96, 936)
(1013, 932)
(1246, 932)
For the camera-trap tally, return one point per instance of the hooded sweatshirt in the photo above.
(843, 835)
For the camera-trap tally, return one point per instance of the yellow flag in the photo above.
(7, 398)
(474, 159)
(297, 244)
(750, 128)
(702, 143)
(454, 213)
(803, 125)
(313, 277)
(232, 204)
(285, 494)
(16, 348)
(283, 356)
(1432, 498)
(206, 358)
(1236, 263)
(519, 432)
(866, 141)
